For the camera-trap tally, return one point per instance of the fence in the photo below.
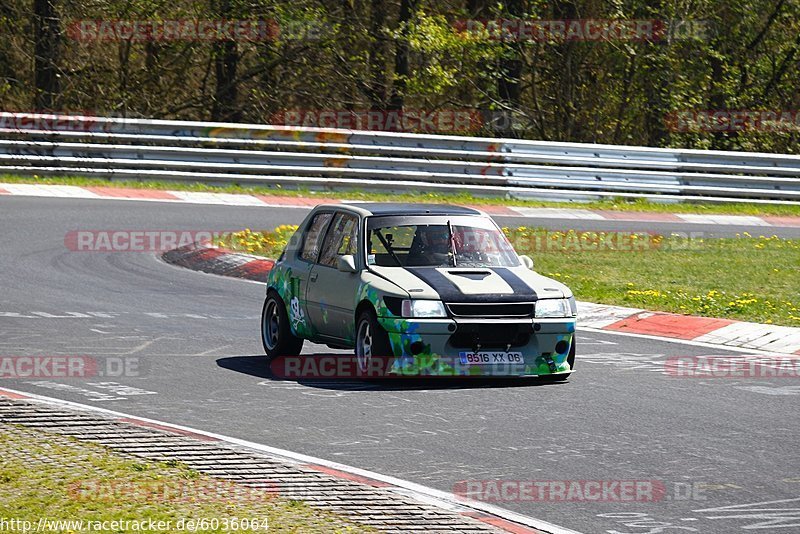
(318, 158)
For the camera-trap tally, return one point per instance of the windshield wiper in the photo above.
(451, 243)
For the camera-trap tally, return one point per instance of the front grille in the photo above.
(511, 309)
(473, 335)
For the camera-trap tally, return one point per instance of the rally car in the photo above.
(437, 289)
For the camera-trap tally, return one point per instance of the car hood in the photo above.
(474, 284)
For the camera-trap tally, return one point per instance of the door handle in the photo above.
(313, 277)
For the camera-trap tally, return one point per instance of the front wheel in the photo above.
(276, 335)
(371, 340)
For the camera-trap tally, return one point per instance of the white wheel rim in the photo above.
(364, 345)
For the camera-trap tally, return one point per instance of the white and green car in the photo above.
(438, 290)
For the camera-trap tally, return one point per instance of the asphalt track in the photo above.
(725, 450)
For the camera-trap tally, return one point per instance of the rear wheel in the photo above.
(371, 340)
(276, 335)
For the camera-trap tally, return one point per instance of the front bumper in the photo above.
(434, 347)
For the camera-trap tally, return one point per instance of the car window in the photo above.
(438, 245)
(342, 239)
(313, 239)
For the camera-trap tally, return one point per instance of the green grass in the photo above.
(459, 198)
(59, 478)
(269, 244)
(745, 278)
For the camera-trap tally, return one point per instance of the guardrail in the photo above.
(215, 153)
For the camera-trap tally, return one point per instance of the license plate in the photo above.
(489, 358)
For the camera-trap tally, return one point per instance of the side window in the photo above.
(314, 235)
(342, 239)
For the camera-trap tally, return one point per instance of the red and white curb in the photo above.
(706, 330)
(492, 515)
(245, 200)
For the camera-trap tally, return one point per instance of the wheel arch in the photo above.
(364, 305)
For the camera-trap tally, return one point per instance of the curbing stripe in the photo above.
(258, 200)
(441, 499)
(167, 428)
(500, 523)
(347, 476)
(133, 194)
(669, 325)
(783, 221)
(639, 216)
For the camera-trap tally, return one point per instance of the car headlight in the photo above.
(423, 308)
(553, 308)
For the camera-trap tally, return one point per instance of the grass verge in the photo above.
(447, 198)
(62, 479)
(744, 278)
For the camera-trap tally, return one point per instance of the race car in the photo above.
(435, 289)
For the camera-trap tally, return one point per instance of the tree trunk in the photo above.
(226, 61)
(47, 50)
(401, 62)
(508, 85)
(375, 89)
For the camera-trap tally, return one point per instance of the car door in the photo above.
(301, 271)
(331, 293)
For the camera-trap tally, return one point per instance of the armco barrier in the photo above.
(116, 148)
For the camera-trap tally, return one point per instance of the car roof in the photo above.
(398, 208)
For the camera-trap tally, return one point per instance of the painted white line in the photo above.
(727, 348)
(740, 220)
(53, 191)
(229, 199)
(439, 498)
(557, 213)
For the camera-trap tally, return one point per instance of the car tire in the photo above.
(371, 340)
(276, 335)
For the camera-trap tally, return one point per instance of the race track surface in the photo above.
(724, 450)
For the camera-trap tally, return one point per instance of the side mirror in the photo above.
(526, 261)
(346, 264)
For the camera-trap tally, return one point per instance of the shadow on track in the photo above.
(257, 366)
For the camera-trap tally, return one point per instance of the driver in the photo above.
(431, 246)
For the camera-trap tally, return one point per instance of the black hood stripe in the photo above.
(446, 289)
(517, 284)
(449, 292)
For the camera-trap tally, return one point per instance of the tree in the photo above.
(47, 50)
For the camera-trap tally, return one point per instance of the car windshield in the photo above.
(440, 243)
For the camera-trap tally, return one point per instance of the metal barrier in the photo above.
(217, 153)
